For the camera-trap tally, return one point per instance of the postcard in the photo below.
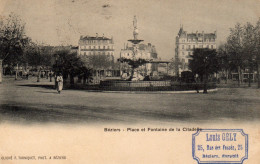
(133, 81)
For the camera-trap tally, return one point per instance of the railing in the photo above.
(152, 86)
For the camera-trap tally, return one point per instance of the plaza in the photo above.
(28, 102)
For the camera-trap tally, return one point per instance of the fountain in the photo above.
(133, 83)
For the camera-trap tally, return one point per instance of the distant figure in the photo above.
(50, 74)
(27, 75)
(60, 83)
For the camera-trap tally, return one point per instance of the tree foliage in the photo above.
(243, 48)
(204, 61)
(12, 39)
(98, 62)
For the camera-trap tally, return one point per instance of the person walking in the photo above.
(59, 80)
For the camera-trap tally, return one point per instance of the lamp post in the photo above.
(205, 76)
(1, 71)
(16, 72)
(39, 73)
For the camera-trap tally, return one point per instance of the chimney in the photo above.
(215, 32)
(81, 37)
(197, 33)
(103, 36)
(96, 35)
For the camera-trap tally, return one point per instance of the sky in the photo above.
(62, 22)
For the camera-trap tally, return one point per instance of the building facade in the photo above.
(144, 51)
(98, 53)
(90, 45)
(186, 42)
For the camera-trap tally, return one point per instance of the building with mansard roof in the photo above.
(97, 52)
(186, 42)
(89, 45)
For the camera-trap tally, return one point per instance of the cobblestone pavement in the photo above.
(26, 101)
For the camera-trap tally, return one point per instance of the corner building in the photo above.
(90, 45)
(187, 42)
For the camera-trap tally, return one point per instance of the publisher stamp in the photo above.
(214, 146)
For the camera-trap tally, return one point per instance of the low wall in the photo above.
(151, 86)
(135, 83)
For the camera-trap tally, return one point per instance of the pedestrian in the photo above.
(50, 74)
(27, 75)
(60, 83)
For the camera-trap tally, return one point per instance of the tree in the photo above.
(224, 61)
(66, 63)
(249, 45)
(70, 65)
(257, 49)
(235, 50)
(204, 62)
(12, 39)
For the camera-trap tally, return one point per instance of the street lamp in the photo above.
(205, 76)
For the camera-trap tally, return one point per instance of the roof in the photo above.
(196, 35)
(94, 38)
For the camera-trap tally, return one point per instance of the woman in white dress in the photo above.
(59, 80)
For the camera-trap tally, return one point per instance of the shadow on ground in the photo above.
(47, 86)
(79, 114)
(76, 114)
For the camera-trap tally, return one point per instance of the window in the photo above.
(211, 46)
(104, 47)
(189, 46)
(193, 46)
(182, 46)
(201, 46)
(183, 53)
(84, 53)
(189, 53)
(207, 46)
(89, 47)
(98, 47)
(94, 47)
(107, 47)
